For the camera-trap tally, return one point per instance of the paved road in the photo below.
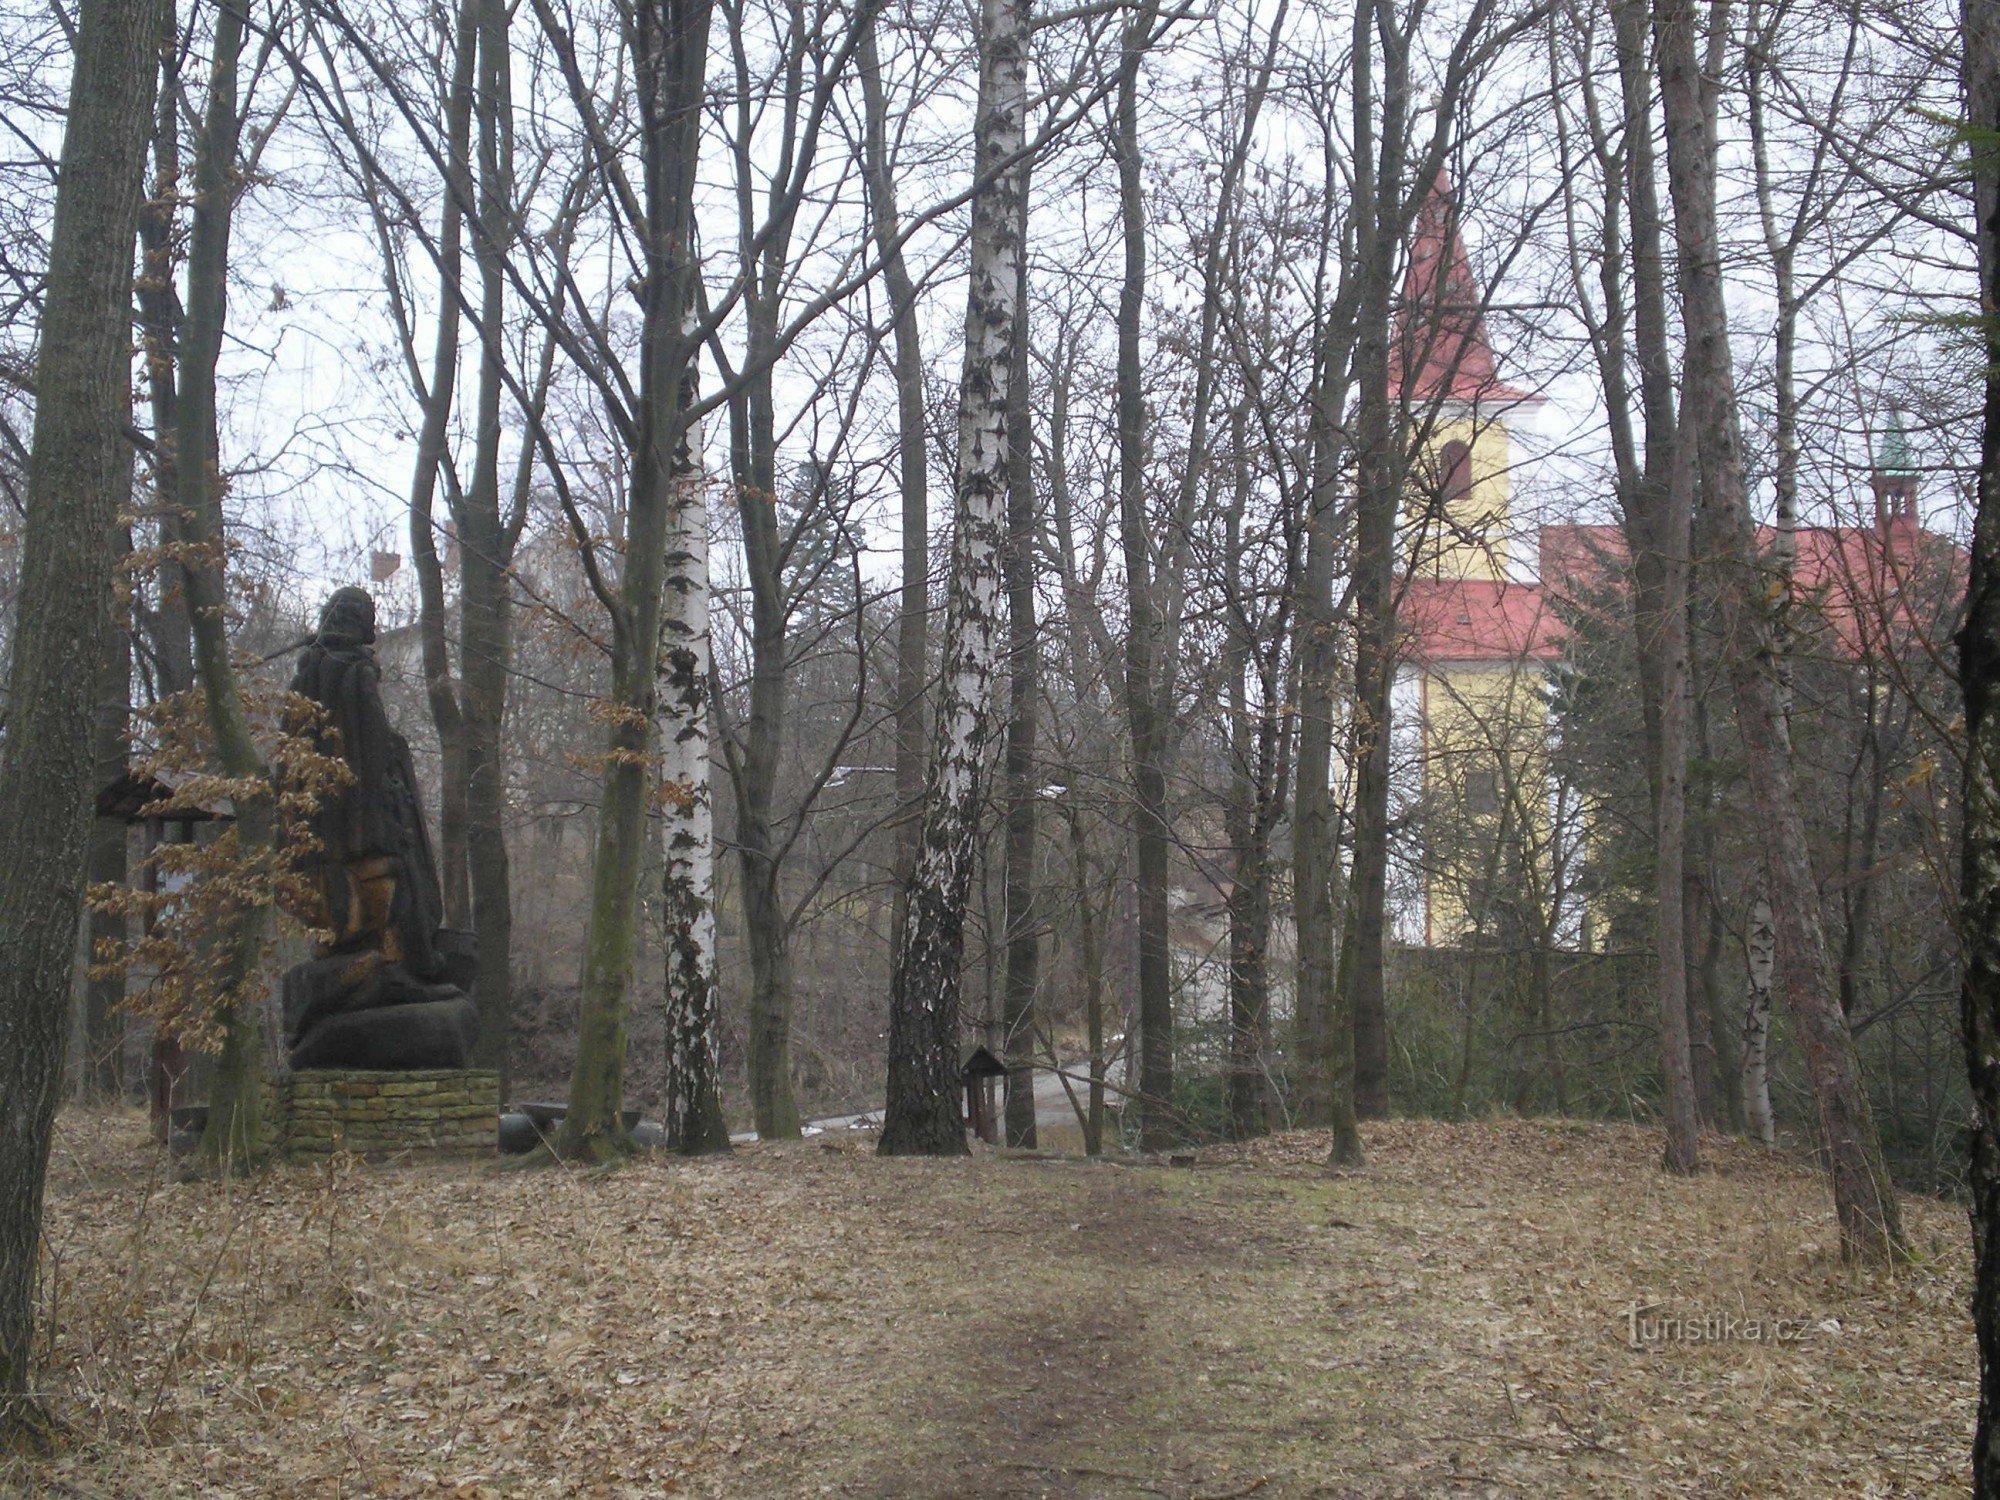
(1052, 1109)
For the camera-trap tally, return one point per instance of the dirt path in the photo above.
(1035, 1394)
(1075, 1329)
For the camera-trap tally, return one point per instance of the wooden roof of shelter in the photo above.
(982, 1064)
(127, 799)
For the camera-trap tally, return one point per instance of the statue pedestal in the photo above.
(380, 1114)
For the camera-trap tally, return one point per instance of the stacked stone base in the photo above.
(430, 1112)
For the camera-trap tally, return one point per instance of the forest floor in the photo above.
(1456, 1319)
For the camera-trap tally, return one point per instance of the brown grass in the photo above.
(807, 1320)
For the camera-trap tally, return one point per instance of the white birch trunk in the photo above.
(923, 1115)
(1760, 945)
(693, 1105)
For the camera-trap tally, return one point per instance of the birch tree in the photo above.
(693, 1098)
(922, 1116)
(669, 45)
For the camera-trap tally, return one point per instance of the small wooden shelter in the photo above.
(980, 1069)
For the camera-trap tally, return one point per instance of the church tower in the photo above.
(1894, 480)
(1443, 373)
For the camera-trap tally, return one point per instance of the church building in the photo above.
(1494, 839)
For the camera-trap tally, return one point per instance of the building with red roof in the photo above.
(1479, 629)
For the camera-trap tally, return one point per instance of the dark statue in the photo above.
(389, 987)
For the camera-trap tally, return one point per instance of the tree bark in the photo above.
(1024, 685)
(1870, 1222)
(1656, 494)
(1979, 673)
(693, 1105)
(1324, 1026)
(1142, 637)
(101, 1078)
(1760, 955)
(912, 473)
(83, 382)
(923, 1114)
(233, 1135)
(1378, 500)
(433, 444)
(167, 1069)
(754, 447)
(487, 532)
(670, 50)
(764, 919)
(1257, 774)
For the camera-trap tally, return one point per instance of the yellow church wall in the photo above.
(1463, 536)
(1486, 779)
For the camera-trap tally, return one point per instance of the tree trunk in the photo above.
(670, 47)
(83, 383)
(754, 455)
(913, 605)
(1683, 1117)
(1324, 1043)
(1024, 685)
(1760, 954)
(101, 1079)
(1979, 673)
(1700, 1012)
(1378, 500)
(1090, 959)
(1142, 638)
(923, 1114)
(433, 442)
(1257, 775)
(693, 1105)
(1698, 870)
(167, 1069)
(1870, 1223)
(234, 1132)
(486, 550)
(1656, 494)
(764, 919)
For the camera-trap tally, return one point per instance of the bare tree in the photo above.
(669, 46)
(1870, 1222)
(234, 1129)
(1144, 630)
(76, 460)
(1024, 686)
(693, 1095)
(1979, 673)
(923, 1111)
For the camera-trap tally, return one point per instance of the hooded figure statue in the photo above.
(385, 991)
(376, 822)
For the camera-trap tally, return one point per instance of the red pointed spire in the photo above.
(1439, 330)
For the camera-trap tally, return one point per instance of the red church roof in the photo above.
(1440, 329)
(1478, 620)
(1867, 583)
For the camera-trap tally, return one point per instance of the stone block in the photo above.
(387, 1113)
